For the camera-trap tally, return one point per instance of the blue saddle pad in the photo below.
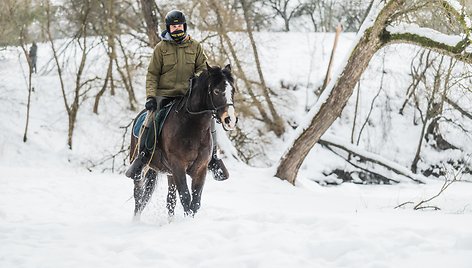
(158, 120)
(139, 123)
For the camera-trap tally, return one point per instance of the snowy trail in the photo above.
(67, 218)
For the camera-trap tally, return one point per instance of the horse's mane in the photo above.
(213, 76)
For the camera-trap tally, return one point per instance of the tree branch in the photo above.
(458, 51)
(457, 107)
(377, 159)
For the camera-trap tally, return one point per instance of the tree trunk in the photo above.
(278, 127)
(149, 10)
(127, 79)
(223, 33)
(28, 105)
(70, 132)
(104, 87)
(339, 28)
(74, 108)
(333, 101)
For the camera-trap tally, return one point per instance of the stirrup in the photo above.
(218, 168)
(134, 171)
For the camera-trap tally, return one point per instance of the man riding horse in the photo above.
(175, 59)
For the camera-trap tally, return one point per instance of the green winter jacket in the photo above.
(172, 65)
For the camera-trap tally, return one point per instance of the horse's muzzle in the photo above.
(229, 119)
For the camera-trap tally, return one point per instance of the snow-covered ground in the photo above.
(69, 218)
(54, 213)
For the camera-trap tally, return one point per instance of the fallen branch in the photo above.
(458, 108)
(374, 158)
(363, 169)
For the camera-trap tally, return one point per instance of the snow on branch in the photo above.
(457, 46)
(433, 35)
(453, 45)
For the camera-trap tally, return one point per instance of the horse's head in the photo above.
(221, 92)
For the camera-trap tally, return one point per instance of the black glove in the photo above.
(151, 104)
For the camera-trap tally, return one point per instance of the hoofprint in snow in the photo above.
(66, 218)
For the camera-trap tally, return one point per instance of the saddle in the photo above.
(155, 128)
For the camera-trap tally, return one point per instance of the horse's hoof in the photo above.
(218, 168)
(189, 213)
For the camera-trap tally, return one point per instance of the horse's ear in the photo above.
(228, 67)
(208, 66)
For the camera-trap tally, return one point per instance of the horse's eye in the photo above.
(216, 91)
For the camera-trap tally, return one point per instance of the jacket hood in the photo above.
(165, 35)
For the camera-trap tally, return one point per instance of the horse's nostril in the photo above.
(227, 120)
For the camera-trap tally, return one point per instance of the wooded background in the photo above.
(111, 22)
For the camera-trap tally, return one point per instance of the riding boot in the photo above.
(134, 171)
(216, 165)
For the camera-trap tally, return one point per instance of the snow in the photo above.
(306, 121)
(66, 218)
(459, 8)
(55, 213)
(450, 40)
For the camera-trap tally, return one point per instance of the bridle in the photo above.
(214, 109)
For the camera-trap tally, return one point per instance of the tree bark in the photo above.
(371, 41)
(149, 10)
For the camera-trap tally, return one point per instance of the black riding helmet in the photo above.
(175, 17)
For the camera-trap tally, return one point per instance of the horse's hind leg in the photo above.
(171, 196)
(151, 178)
(143, 190)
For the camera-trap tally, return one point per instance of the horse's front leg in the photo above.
(180, 181)
(198, 180)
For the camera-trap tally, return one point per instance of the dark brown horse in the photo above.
(184, 146)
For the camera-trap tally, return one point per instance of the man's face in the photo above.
(176, 27)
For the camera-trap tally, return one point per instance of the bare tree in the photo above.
(376, 34)
(80, 14)
(19, 16)
(223, 33)
(285, 10)
(278, 127)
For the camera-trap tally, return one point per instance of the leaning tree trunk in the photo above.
(332, 106)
